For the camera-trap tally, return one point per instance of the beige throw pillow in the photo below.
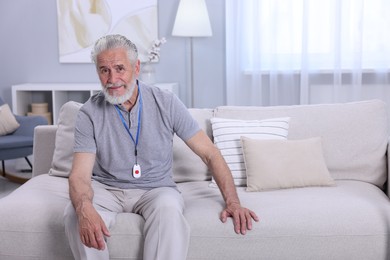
(8, 123)
(281, 164)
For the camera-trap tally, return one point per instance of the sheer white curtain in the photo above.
(284, 52)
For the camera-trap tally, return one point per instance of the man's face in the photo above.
(116, 73)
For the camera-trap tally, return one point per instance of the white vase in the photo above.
(148, 73)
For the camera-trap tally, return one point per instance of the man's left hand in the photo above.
(242, 217)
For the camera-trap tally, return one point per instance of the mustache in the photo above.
(116, 84)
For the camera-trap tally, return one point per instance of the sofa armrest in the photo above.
(388, 168)
(44, 145)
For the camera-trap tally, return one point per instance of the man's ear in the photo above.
(137, 67)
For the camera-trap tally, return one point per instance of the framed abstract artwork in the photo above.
(81, 23)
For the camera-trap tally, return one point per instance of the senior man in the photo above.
(123, 161)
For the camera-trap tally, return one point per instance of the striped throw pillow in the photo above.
(227, 137)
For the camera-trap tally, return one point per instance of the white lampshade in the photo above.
(192, 19)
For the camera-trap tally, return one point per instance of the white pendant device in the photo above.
(136, 171)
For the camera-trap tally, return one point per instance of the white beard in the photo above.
(116, 100)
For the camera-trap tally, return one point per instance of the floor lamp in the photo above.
(192, 20)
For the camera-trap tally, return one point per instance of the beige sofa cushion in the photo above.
(186, 166)
(345, 221)
(282, 164)
(350, 220)
(63, 152)
(354, 135)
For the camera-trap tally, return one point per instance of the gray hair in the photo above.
(112, 42)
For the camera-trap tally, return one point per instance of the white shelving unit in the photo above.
(57, 94)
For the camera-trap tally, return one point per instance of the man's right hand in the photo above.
(92, 227)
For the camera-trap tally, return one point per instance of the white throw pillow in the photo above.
(281, 164)
(63, 153)
(227, 134)
(8, 123)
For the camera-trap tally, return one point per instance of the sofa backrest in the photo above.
(354, 135)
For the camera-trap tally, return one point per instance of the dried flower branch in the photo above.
(154, 52)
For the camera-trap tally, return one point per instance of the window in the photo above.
(317, 35)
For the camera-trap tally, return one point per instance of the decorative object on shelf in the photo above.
(41, 109)
(192, 20)
(148, 72)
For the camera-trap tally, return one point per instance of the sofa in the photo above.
(347, 218)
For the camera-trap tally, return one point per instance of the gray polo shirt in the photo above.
(100, 130)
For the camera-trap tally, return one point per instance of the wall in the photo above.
(29, 51)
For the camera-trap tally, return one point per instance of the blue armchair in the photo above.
(20, 143)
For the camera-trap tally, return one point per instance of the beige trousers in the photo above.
(166, 231)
